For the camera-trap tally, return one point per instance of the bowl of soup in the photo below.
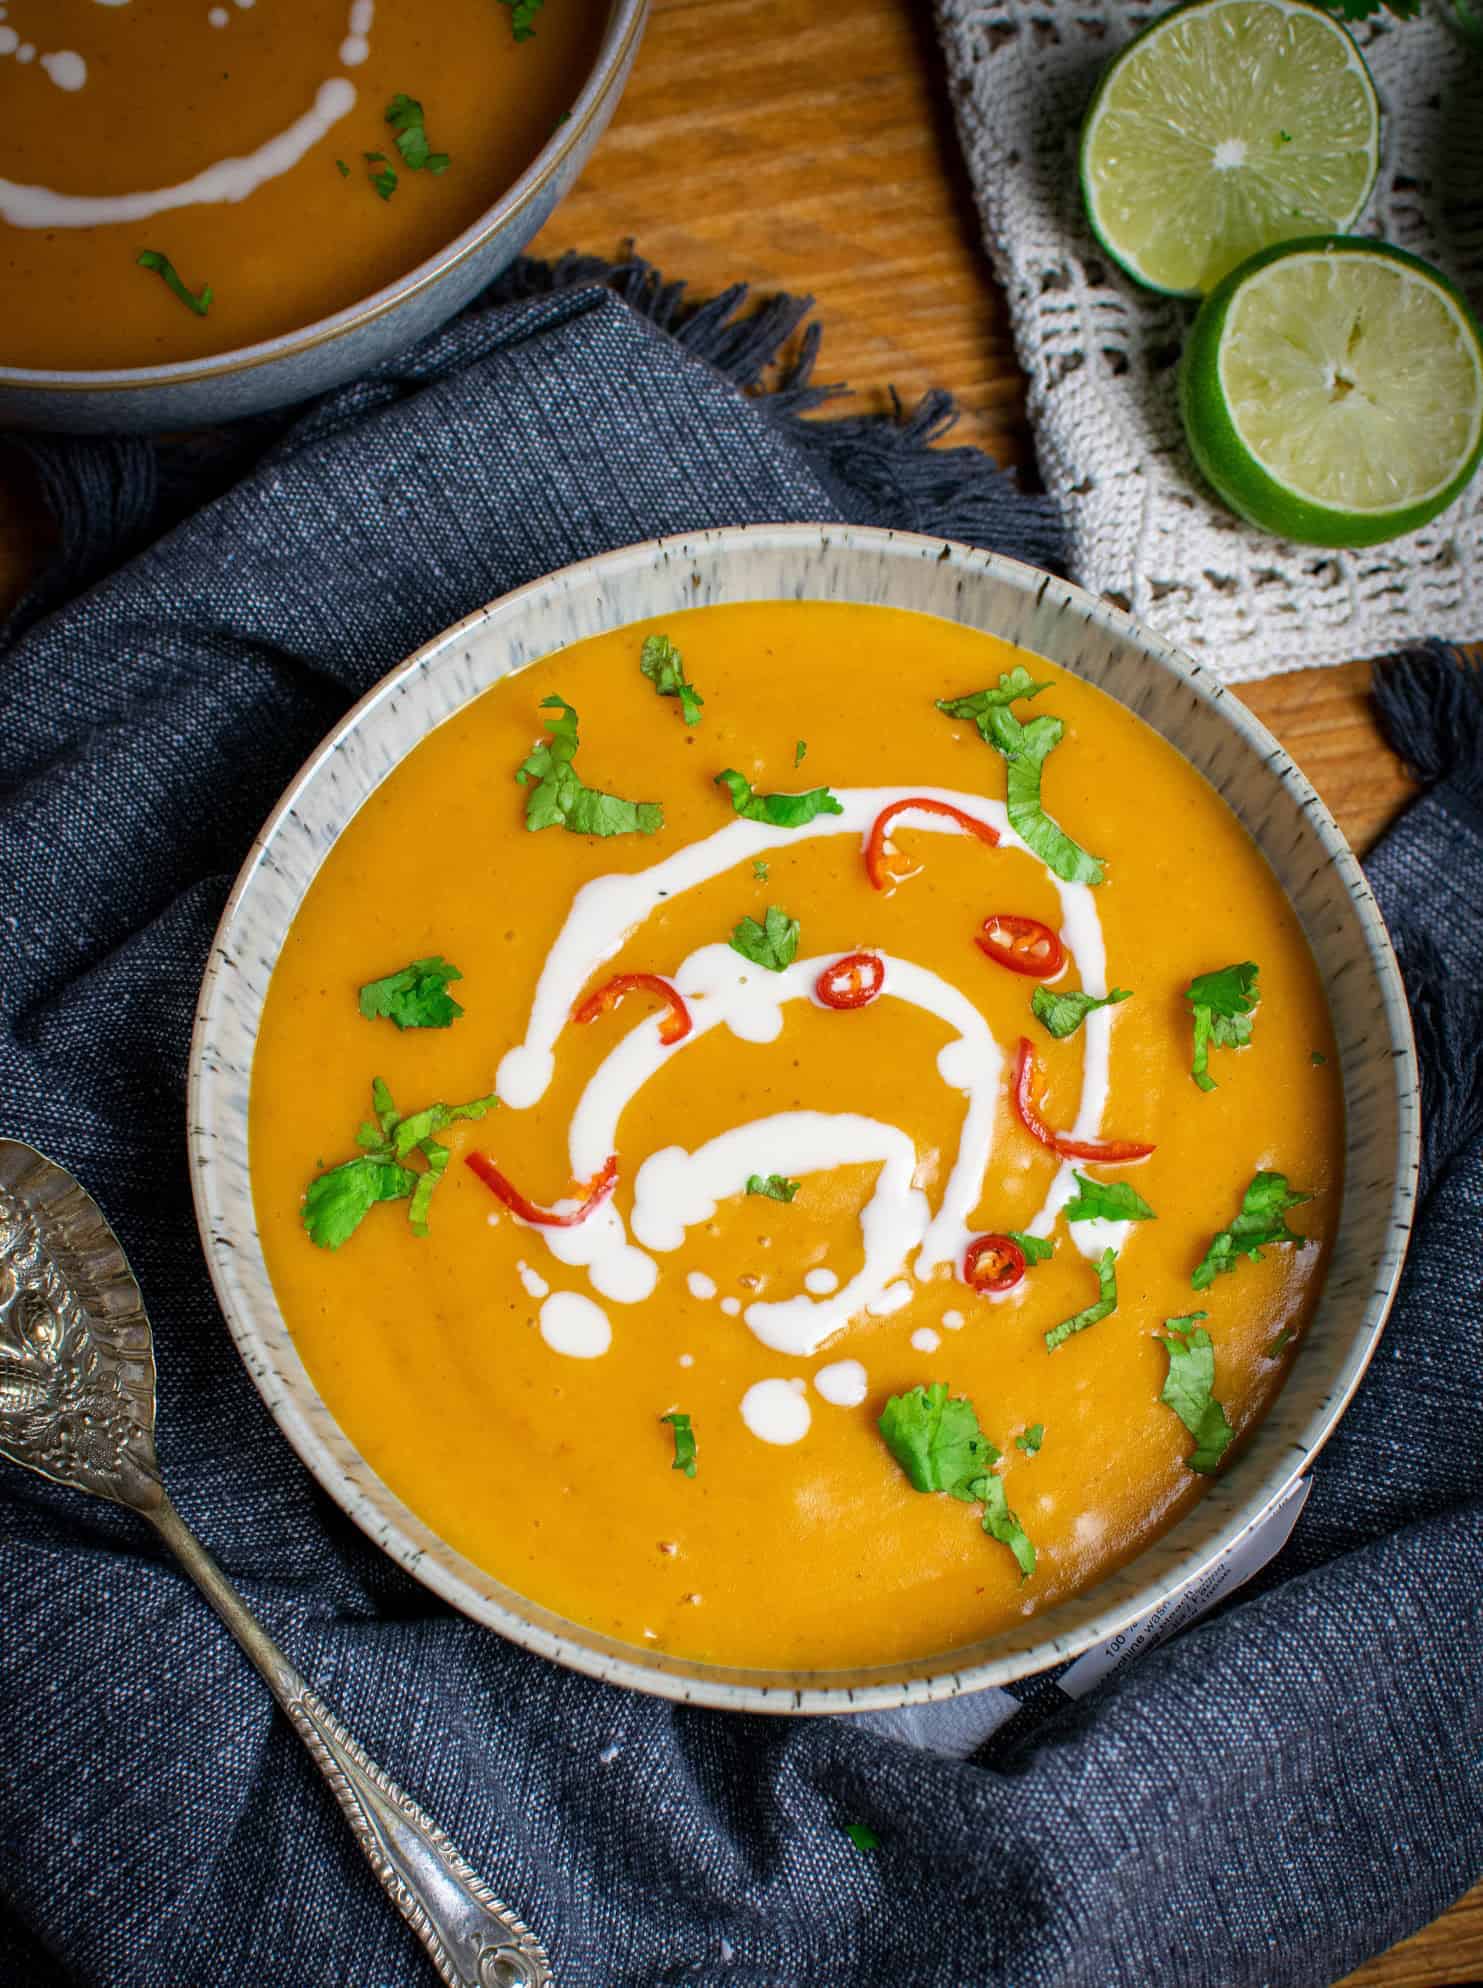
(210, 210)
(803, 1118)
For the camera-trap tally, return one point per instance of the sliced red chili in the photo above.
(852, 982)
(993, 1263)
(594, 1191)
(676, 1024)
(885, 874)
(1108, 1150)
(1024, 945)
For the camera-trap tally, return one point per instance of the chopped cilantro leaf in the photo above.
(522, 17)
(1035, 1249)
(417, 1128)
(862, 1836)
(1029, 1440)
(1063, 1014)
(1223, 1004)
(342, 168)
(1107, 1201)
(1094, 1314)
(777, 810)
(1262, 1221)
(800, 748)
(772, 944)
(1190, 1390)
(1284, 138)
(1025, 747)
(559, 798)
(1280, 1344)
(404, 115)
(760, 871)
(338, 1201)
(165, 269)
(1318, 1059)
(684, 1442)
(664, 666)
(776, 1186)
(385, 182)
(1000, 1523)
(416, 997)
(937, 1442)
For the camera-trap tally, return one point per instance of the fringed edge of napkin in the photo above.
(111, 496)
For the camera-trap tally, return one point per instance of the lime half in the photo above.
(1332, 391)
(1224, 127)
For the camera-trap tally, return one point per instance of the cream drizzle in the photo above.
(675, 1189)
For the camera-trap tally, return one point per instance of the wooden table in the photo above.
(811, 149)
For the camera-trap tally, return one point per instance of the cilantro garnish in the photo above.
(164, 268)
(1280, 1344)
(1224, 1003)
(342, 169)
(760, 871)
(559, 798)
(776, 1186)
(940, 1446)
(522, 17)
(664, 666)
(684, 1442)
(385, 182)
(338, 1200)
(1359, 10)
(777, 810)
(1025, 747)
(799, 749)
(1063, 1014)
(1094, 1314)
(415, 998)
(937, 1441)
(772, 944)
(1318, 1059)
(1262, 1221)
(862, 1836)
(1000, 1523)
(1190, 1390)
(404, 115)
(1107, 1201)
(1029, 1440)
(1035, 1249)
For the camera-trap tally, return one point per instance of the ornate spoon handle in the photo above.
(472, 1939)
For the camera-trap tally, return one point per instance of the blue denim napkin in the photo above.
(1267, 1799)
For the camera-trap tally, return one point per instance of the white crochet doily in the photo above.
(1100, 353)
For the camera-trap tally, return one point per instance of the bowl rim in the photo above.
(396, 1528)
(625, 25)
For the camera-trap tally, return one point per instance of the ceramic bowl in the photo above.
(202, 392)
(1049, 617)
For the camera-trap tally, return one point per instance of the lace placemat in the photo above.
(1101, 354)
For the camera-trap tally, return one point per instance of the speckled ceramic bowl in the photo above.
(202, 392)
(1190, 708)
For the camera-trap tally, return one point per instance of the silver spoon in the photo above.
(77, 1405)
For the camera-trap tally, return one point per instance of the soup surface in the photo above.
(233, 141)
(778, 1154)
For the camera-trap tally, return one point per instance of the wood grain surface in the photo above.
(811, 149)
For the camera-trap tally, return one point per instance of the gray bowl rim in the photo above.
(625, 26)
(398, 1531)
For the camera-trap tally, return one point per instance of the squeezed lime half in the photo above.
(1332, 391)
(1226, 126)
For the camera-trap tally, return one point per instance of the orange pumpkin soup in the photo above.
(891, 1214)
(263, 148)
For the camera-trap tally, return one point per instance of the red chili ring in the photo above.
(675, 1026)
(1022, 944)
(1005, 1263)
(1112, 1152)
(884, 875)
(852, 982)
